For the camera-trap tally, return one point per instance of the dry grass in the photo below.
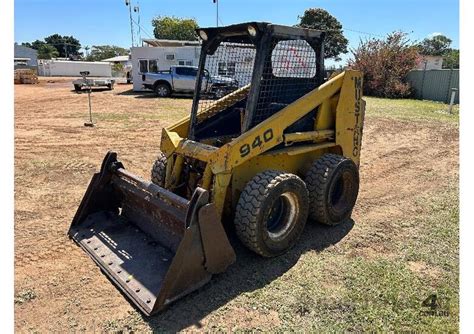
(368, 274)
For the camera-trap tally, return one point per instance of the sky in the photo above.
(99, 22)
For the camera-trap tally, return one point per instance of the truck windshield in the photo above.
(188, 71)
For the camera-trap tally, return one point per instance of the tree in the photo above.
(385, 64)
(451, 59)
(170, 27)
(66, 45)
(47, 51)
(101, 52)
(34, 45)
(335, 42)
(435, 46)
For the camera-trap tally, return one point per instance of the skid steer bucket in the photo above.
(153, 244)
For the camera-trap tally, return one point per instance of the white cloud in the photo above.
(433, 34)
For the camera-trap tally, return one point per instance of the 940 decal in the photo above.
(245, 149)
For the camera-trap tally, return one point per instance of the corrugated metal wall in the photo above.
(434, 85)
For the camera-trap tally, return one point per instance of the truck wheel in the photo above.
(219, 93)
(110, 86)
(77, 88)
(158, 171)
(162, 90)
(271, 212)
(333, 185)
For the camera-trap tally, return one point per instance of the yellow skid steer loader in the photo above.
(282, 145)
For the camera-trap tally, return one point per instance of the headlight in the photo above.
(252, 31)
(203, 35)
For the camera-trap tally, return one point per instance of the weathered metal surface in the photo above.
(133, 260)
(217, 248)
(147, 240)
(434, 85)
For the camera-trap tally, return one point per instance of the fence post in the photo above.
(453, 96)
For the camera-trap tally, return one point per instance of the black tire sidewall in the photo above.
(168, 90)
(289, 239)
(342, 213)
(220, 93)
(158, 170)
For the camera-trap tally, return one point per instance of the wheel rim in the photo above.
(162, 91)
(282, 215)
(340, 193)
(220, 93)
(337, 191)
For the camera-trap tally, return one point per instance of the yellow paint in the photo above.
(337, 129)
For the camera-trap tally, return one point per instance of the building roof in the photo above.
(117, 58)
(431, 56)
(169, 42)
(60, 60)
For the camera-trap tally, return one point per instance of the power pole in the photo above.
(136, 9)
(128, 3)
(217, 11)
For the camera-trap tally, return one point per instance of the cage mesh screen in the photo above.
(229, 71)
(289, 73)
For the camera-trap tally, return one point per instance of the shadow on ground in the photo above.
(93, 90)
(150, 95)
(249, 273)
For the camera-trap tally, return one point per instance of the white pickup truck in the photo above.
(182, 80)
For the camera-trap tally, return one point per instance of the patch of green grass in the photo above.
(409, 109)
(116, 117)
(333, 292)
(438, 238)
(128, 324)
(38, 164)
(24, 296)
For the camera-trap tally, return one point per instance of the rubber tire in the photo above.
(77, 88)
(158, 170)
(219, 93)
(162, 85)
(110, 86)
(321, 179)
(254, 205)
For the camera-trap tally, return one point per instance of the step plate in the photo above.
(132, 259)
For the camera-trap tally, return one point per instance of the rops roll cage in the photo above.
(261, 35)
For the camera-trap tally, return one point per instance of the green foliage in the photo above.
(385, 64)
(101, 52)
(335, 42)
(56, 46)
(435, 46)
(47, 51)
(170, 27)
(117, 67)
(66, 45)
(451, 59)
(34, 45)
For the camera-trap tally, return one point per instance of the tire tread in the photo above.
(158, 170)
(250, 204)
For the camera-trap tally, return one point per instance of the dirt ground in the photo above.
(58, 288)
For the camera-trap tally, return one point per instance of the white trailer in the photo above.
(228, 60)
(153, 59)
(65, 68)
